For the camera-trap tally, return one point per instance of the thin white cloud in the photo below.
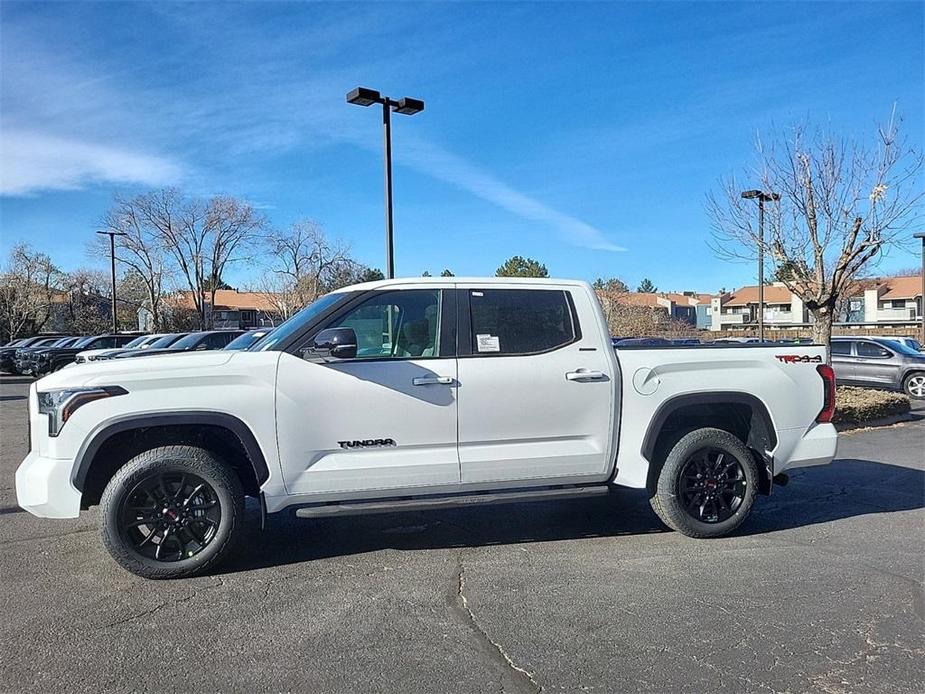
(31, 162)
(446, 166)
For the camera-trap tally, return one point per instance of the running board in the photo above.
(455, 501)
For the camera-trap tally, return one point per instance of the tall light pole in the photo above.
(921, 235)
(112, 256)
(361, 96)
(762, 198)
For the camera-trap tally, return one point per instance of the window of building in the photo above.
(520, 321)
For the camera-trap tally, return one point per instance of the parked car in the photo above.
(161, 342)
(910, 342)
(417, 393)
(191, 342)
(879, 363)
(26, 358)
(54, 358)
(140, 342)
(7, 353)
(641, 341)
(248, 339)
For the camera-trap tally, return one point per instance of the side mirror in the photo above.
(332, 344)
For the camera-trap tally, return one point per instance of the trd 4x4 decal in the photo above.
(798, 358)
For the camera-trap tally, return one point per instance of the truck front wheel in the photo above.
(172, 512)
(707, 485)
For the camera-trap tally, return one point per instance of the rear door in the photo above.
(535, 388)
(843, 360)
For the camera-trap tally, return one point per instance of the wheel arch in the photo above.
(741, 414)
(124, 437)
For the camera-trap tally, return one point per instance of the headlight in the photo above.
(61, 403)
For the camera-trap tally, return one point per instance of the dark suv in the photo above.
(54, 358)
(879, 363)
(8, 353)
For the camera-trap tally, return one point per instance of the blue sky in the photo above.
(585, 135)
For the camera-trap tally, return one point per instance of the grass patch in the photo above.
(859, 405)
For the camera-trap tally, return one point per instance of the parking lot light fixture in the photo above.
(363, 96)
(762, 197)
(112, 256)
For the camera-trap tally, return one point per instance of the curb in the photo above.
(879, 422)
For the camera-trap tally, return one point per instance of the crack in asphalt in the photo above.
(169, 603)
(522, 679)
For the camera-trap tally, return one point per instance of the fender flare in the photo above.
(667, 408)
(106, 430)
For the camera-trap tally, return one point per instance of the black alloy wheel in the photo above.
(170, 516)
(712, 485)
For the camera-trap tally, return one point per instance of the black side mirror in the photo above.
(332, 344)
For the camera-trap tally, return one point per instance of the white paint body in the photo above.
(497, 423)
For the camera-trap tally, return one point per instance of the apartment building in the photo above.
(881, 302)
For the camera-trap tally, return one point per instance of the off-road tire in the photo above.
(665, 499)
(200, 462)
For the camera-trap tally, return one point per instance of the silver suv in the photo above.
(879, 363)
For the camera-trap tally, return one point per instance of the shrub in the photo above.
(859, 405)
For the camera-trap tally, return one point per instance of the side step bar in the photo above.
(454, 501)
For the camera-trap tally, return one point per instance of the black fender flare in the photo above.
(671, 405)
(104, 431)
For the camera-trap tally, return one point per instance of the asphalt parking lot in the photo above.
(821, 590)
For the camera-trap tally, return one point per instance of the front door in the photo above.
(384, 420)
(535, 394)
(875, 365)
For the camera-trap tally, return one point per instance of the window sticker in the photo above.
(488, 343)
(478, 294)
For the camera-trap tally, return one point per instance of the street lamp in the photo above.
(112, 255)
(361, 96)
(762, 198)
(921, 235)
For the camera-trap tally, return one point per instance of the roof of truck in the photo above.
(443, 281)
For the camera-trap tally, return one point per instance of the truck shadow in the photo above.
(845, 489)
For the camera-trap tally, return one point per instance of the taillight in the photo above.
(828, 398)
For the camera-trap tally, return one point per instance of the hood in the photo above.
(114, 372)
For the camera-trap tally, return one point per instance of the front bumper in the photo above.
(44, 489)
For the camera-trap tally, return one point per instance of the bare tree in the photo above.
(842, 205)
(307, 263)
(201, 237)
(87, 302)
(140, 248)
(27, 289)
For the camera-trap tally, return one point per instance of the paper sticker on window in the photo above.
(488, 343)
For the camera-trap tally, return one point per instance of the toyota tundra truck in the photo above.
(419, 393)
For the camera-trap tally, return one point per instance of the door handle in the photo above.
(432, 381)
(585, 375)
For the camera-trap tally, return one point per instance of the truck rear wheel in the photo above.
(172, 512)
(707, 485)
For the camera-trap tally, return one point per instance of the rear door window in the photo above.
(841, 348)
(870, 349)
(520, 321)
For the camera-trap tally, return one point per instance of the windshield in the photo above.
(140, 340)
(300, 320)
(902, 348)
(166, 340)
(85, 341)
(187, 342)
(247, 340)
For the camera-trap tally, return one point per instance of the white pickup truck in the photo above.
(418, 393)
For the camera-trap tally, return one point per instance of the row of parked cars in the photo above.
(42, 354)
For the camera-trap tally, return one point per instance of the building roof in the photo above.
(902, 287)
(773, 294)
(231, 300)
